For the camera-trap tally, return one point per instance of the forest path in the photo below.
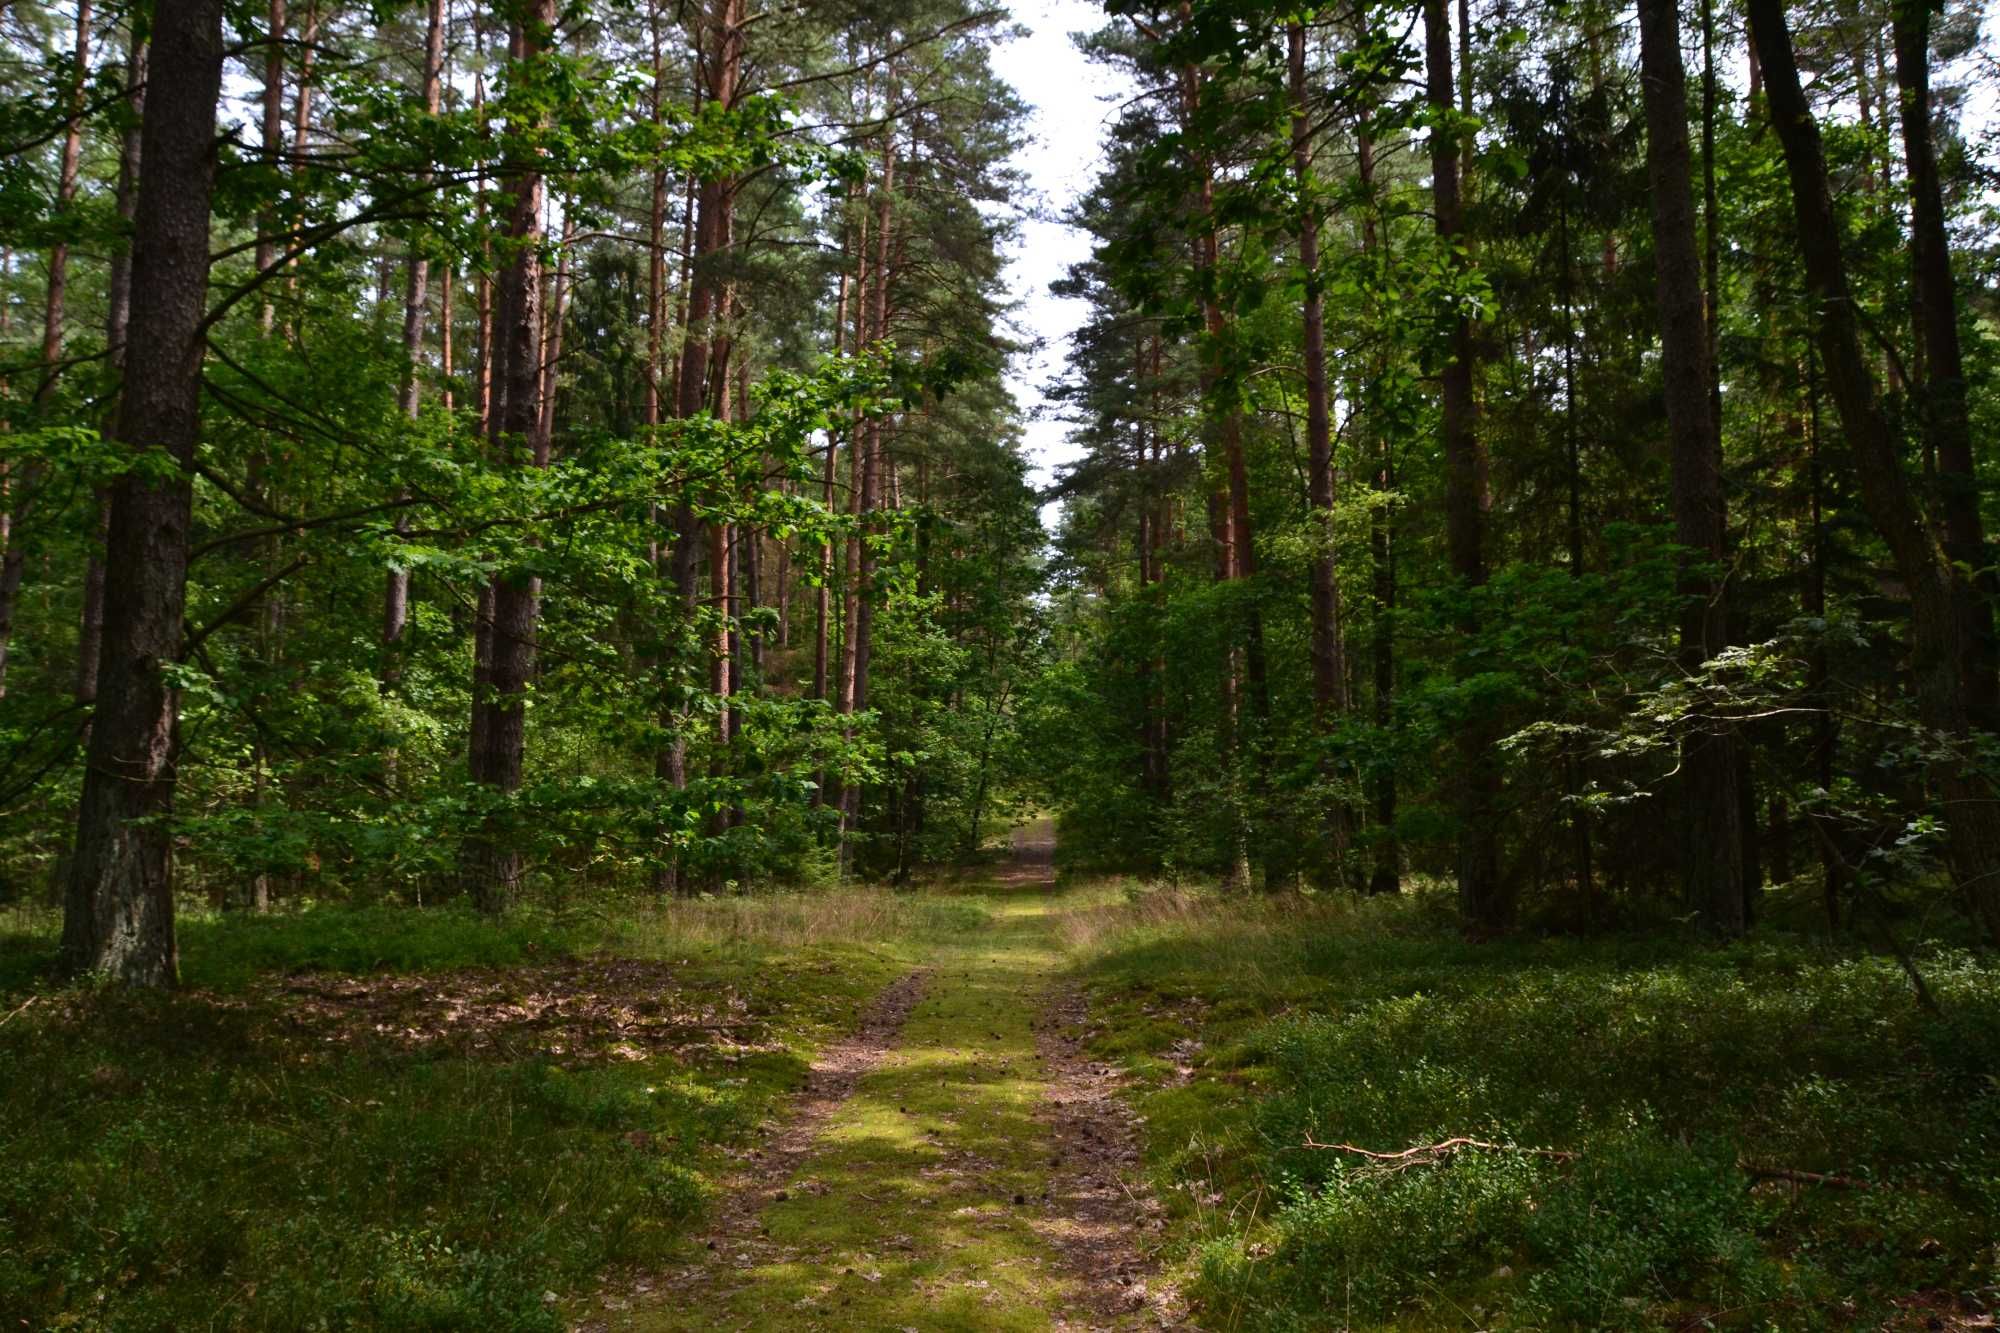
(957, 1164)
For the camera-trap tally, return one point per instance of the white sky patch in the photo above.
(1071, 101)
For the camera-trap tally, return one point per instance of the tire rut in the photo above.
(1100, 1210)
(732, 1240)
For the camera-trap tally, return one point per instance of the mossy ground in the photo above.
(927, 1201)
(279, 1146)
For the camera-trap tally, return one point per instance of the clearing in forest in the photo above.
(956, 1164)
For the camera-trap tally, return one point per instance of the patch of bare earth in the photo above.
(1099, 1213)
(580, 1011)
(735, 1239)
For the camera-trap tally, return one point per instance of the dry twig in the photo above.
(1429, 1154)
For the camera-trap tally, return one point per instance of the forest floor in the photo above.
(845, 1108)
(996, 1101)
(960, 1162)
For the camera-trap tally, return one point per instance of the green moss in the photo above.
(924, 1203)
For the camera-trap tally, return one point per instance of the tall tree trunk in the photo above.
(490, 860)
(9, 484)
(446, 395)
(1152, 768)
(868, 498)
(17, 496)
(118, 916)
(486, 385)
(669, 760)
(1386, 876)
(656, 234)
(302, 99)
(873, 456)
(1938, 589)
(1329, 653)
(721, 661)
(721, 48)
(1387, 873)
(1159, 504)
(1222, 436)
(273, 107)
(482, 295)
(857, 448)
(823, 595)
(1486, 899)
(1579, 823)
(849, 556)
(557, 313)
(1947, 427)
(1833, 867)
(254, 893)
(1712, 842)
(69, 165)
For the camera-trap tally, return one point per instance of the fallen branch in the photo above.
(24, 1004)
(1798, 1177)
(1429, 1154)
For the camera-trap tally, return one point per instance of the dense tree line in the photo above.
(1536, 448)
(477, 449)
(487, 450)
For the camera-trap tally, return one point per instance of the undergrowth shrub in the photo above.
(1662, 1073)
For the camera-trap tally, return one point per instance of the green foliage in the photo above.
(1662, 1066)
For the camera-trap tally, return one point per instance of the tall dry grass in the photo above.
(860, 915)
(1124, 912)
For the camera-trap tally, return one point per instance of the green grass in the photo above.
(1662, 1063)
(926, 1203)
(230, 1157)
(402, 1119)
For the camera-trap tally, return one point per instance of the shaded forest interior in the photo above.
(544, 491)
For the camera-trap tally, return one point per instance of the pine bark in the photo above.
(20, 496)
(1942, 390)
(69, 167)
(1712, 874)
(1938, 589)
(869, 460)
(118, 917)
(490, 861)
(1222, 433)
(823, 595)
(416, 291)
(1329, 651)
(117, 327)
(721, 44)
(1484, 896)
